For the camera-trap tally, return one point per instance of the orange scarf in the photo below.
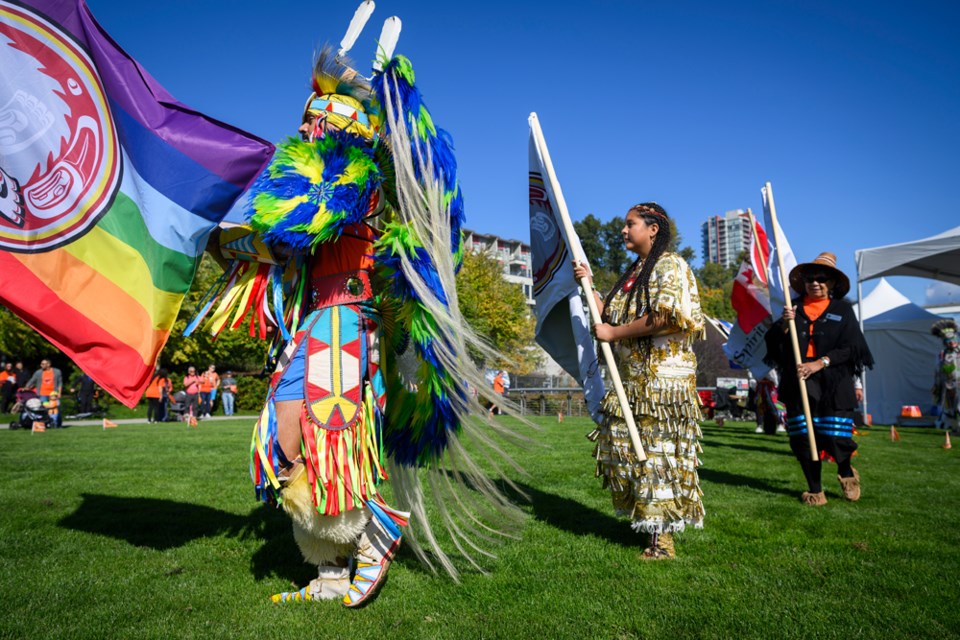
(814, 308)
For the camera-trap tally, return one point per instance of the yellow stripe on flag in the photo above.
(125, 267)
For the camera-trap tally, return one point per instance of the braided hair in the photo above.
(651, 213)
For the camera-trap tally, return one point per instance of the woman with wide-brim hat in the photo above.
(833, 351)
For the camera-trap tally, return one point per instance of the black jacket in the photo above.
(835, 334)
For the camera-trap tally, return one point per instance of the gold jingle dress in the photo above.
(663, 493)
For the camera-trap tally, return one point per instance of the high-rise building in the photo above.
(513, 255)
(724, 237)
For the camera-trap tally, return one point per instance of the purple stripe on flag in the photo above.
(226, 151)
(175, 175)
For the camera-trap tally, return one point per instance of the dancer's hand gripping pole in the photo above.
(811, 437)
(569, 232)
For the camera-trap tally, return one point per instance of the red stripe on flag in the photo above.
(759, 252)
(113, 365)
(748, 301)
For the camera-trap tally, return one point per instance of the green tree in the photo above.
(233, 349)
(715, 302)
(603, 244)
(595, 238)
(714, 276)
(616, 259)
(18, 341)
(716, 285)
(497, 310)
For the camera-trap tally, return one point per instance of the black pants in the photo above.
(84, 402)
(6, 396)
(837, 447)
(153, 409)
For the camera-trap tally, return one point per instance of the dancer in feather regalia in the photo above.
(353, 242)
(946, 381)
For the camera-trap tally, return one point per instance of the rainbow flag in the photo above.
(109, 188)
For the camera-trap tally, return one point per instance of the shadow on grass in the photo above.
(737, 480)
(166, 524)
(574, 517)
(746, 447)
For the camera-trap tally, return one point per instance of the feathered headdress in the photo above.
(940, 325)
(342, 97)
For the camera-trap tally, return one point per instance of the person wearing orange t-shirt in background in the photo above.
(209, 383)
(46, 380)
(191, 386)
(498, 388)
(8, 383)
(158, 390)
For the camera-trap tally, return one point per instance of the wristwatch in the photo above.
(826, 361)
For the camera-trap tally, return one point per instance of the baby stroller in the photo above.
(30, 409)
(177, 407)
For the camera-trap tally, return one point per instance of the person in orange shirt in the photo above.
(191, 386)
(498, 388)
(8, 382)
(834, 352)
(158, 390)
(209, 383)
(45, 381)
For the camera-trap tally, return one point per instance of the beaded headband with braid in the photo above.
(650, 209)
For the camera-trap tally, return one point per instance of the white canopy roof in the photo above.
(884, 298)
(937, 258)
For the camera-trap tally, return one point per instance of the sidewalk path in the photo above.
(99, 422)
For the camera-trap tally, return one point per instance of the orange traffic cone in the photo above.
(946, 440)
(107, 424)
(894, 435)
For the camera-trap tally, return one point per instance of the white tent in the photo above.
(937, 258)
(898, 333)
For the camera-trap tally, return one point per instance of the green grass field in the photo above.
(152, 532)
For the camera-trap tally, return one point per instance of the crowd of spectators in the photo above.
(198, 397)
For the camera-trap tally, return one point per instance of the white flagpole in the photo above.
(792, 324)
(569, 232)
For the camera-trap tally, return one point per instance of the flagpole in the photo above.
(569, 232)
(792, 324)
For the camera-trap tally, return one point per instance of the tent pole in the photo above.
(863, 375)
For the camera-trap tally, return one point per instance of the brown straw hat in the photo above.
(827, 263)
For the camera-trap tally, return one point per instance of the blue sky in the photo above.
(849, 108)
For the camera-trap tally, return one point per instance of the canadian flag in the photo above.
(745, 345)
(749, 297)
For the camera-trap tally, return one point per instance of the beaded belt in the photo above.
(341, 288)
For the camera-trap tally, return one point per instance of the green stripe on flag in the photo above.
(170, 270)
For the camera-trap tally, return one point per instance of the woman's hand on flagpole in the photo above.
(807, 369)
(581, 271)
(604, 332)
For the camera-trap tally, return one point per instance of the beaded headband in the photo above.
(647, 210)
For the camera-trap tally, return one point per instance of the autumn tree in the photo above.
(497, 311)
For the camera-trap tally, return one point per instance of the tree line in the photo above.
(603, 244)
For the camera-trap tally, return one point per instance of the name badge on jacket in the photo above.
(833, 316)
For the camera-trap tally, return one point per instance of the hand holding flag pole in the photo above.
(569, 232)
(768, 191)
